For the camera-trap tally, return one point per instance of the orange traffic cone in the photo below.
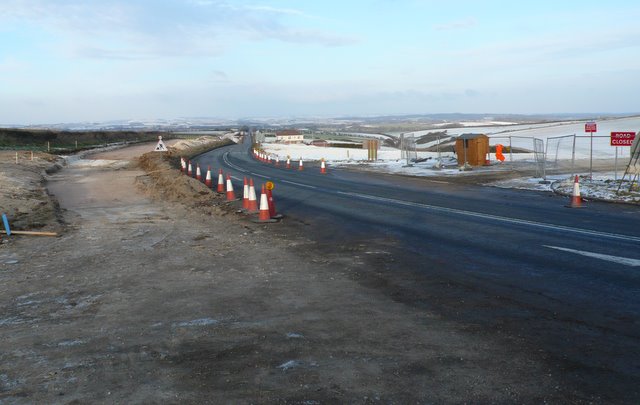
(230, 193)
(300, 166)
(288, 163)
(207, 180)
(272, 206)
(198, 172)
(183, 165)
(576, 200)
(220, 182)
(323, 167)
(264, 216)
(277, 161)
(253, 202)
(245, 195)
(189, 171)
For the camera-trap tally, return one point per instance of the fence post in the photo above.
(573, 157)
(510, 150)
(615, 170)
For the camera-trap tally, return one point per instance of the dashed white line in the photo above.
(299, 184)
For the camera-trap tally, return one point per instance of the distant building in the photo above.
(289, 136)
(320, 142)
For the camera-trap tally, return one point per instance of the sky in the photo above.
(100, 60)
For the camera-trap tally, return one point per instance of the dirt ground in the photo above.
(156, 291)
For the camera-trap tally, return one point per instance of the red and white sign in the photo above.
(622, 138)
(590, 127)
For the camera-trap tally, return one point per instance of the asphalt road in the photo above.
(517, 265)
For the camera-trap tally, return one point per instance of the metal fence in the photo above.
(522, 153)
(574, 154)
(408, 148)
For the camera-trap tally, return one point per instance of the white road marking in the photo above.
(299, 184)
(615, 259)
(438, 181)
(226, 160)
(496, 217)
(237, 178)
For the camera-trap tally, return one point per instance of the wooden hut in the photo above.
(472, 149)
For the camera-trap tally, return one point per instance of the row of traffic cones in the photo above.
(266, 158)
(186, 168)
(266, 210)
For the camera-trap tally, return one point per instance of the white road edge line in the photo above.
(226, 160)
(495, 217)
(615, 259)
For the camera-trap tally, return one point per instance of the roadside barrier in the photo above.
(231, 195)
(576, 199)
(220, 182)
(207, 181)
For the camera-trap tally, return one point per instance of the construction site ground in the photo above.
(156, 291)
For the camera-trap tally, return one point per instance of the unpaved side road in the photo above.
(141, 300)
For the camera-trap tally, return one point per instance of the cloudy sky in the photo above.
(97, 60)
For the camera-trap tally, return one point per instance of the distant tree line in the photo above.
(72, 140)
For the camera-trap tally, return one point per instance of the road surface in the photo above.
(561, 282)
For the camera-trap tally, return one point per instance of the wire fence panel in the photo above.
(573, 154)
(408, 149)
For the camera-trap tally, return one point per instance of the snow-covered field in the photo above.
(390, 161)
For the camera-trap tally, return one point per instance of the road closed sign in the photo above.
(590, 127)
(622, 138)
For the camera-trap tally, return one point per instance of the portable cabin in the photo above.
(472, 149)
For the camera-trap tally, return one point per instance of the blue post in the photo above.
(6, 224)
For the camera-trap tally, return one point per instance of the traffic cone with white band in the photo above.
(253, 202)
(220, 182)
(576, 199)
(207, 180)
(264, 216)
(245, 195)
(231, 195)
